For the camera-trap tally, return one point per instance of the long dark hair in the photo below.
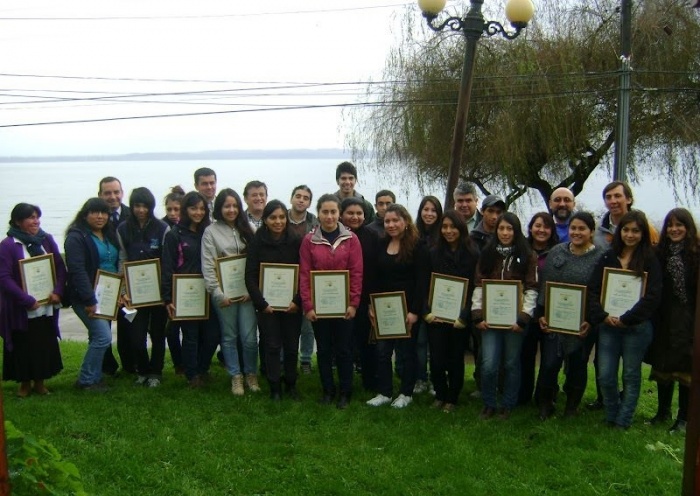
(271, 206)
(521, 248)
(241, 223)
(691, 250)
(643, 251)
(409, 239)
(465, 242)
(429, 233)
(548, 221)
(93, 205)
(144, 196)
(190, 200)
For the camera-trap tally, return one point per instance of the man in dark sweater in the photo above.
(491, 209)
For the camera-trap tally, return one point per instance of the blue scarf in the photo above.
(33, 243)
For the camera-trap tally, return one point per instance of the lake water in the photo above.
(60, 188)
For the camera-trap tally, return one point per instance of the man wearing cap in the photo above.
(561, 205)
(491, 209)
(466, 201)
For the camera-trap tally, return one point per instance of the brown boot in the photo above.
(25, 389)
(40, 388)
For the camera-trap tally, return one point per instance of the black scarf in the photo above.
(675, 266)
(33, 243)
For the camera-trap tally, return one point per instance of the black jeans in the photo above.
(280, 331)
(447, 347)
(407, 348)
(149, 321)
(368, 351)
(334, 339)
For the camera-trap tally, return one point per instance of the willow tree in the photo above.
(543, 108)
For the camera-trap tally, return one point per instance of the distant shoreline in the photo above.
(202, 155)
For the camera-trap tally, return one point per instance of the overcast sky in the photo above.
(82, 60)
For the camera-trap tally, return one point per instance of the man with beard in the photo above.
(562, 204)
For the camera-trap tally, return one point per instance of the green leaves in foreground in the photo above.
(36, 467)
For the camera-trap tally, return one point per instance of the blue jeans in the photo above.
(239, 320)
(497, 343)
(306, 341)
(99, 339)
(199, 338)
(630, 344)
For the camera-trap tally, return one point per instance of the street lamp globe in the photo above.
(431, 7)
(519, 12)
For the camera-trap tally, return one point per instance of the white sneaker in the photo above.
(379, 400)
(401, 401)
(420, 387)
(153, 382)
(141, 380)
(431, 389)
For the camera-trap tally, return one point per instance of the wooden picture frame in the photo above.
(502, 302)
(190, 297)
(565, 307)
(330, 293)
(390, 312)
(447, 296)
(142, 281)
(279, 283)
(38, 276)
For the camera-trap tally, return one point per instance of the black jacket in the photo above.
(264, 248)
(459, 263)
(182, 254)
(643, 310)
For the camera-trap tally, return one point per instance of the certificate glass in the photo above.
(190, 297)
(330, 292)
(231, 273)
(390, 313)
(447, 297)
(502, 302)
(622, 289)
(38, 277)
(278, 284)
(107, 291)
(142, 280)
(565, 307)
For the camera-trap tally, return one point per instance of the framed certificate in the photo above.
(107, 291)
(565, 307)
(231, 273)
(190, 297)
(38, 277)
(447, 297)
(330, 292)
(142, 280)
(279, 284)
(502, 301)
(622, 289)
(390, 313)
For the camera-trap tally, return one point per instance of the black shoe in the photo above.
(292, 392)
(487, 413)
(504, 414)
(343, 402)
(326, 399)
(596, 405)
(98, 387)
(275, 396)
(678, 427)
(659, 418)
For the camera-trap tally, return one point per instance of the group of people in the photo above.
(382, 250)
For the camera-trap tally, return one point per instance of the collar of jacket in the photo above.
(318, 239)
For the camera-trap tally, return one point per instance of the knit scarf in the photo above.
(675, 266)
(33, 243)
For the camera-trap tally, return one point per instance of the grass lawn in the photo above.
(174, 441)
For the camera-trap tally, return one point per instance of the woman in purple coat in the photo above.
(29, 329)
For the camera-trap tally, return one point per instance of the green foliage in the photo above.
(36, 467)
(543, 107)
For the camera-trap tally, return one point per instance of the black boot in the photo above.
(291, 390)
(275, 391)
(546, 402)
(665, 397)
(573, 400)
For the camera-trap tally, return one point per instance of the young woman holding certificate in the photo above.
(29, 323)
(568, 263)
(331, 247)
(182, 254)
(402, 264)
(670, 353)
(506, 257)
(229, 236)
(631, 295)
(274, 243)
(90, 245)
(454, 255)
(141, 237)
